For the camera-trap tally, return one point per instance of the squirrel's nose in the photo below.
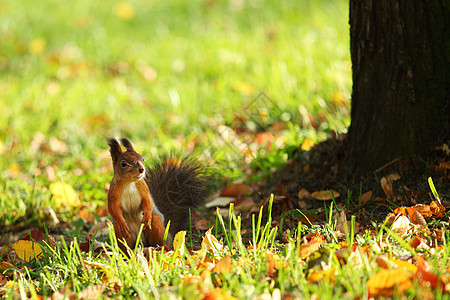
(141, 169)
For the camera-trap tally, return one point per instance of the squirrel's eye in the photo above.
(124, 164)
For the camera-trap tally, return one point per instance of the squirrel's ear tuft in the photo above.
(114, 149)
(127, 144)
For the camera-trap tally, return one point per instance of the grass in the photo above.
(181, 75)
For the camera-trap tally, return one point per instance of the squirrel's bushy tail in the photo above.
(176, 185)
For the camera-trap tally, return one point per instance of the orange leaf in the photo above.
(217, 294)
(307, 144)
(437, 209)
(237, 189)
(384, 282)
(415, 242)
(303, 193)
(325, 195)
(365, 197)
(424, 210)
(425, 277)
(223, 266)
(386, 185)
(310, 247)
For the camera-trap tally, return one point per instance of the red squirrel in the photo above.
(152, 196)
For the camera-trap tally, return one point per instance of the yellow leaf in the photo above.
(63, 193)
(385, 282)
(307, 144)
(404, 264)
(179, 242)
(325, 195)
(124, 11)
(27, 250)
(209, 244)
(4, 265)
(37, 45)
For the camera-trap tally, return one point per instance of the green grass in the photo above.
(74, 73)
(211, 60)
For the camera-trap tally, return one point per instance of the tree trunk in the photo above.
(400, 52)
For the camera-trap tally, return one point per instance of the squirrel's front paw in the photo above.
(147, 220)
(125, 231)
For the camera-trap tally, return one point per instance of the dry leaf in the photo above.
(306, 249)
(437, 209)
(4, 265)
(365, 197)
(386, 185)
(393, 177)
(417, 218)
(401, 226)
(425, 277)
(325, 195)
(218, 294)
(92, 292)
(37, 45)
(63, 193)
(243, 203)
(304, 193)
(424, 210)
(27, 250)
(235, 190)
(223, 265)
(201, 224)
(385, 282)
(307, 144)
(124, 11)
(415, 242)
(219, 201)
(406, 265)
(179, 243)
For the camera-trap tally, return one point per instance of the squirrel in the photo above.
(152, 196)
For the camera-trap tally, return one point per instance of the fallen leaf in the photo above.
(91, 292)
(218, 294)
(386, 185)
(201, 224)
(235, 190)
(37, 45)
(415, 242)
(27, 250)
(325, 195)
(306, 249)
(304, 193)
(124, 11)
(244, 203)
(307, 144)
(385, 282)
(425, 277)
(219, 202)
(223, 265)
(393, 177)
(179, 243)
(437, 209)
(401, 226)
(365, 197)
(64, 193)
(4, 265)
(424, 210)
(417, 218)
(406, 265)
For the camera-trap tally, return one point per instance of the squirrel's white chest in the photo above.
(131, 200)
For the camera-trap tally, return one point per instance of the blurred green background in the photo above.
(167, 74)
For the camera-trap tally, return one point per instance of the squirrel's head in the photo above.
(128, 165)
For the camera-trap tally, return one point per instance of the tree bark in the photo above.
(400, 53)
